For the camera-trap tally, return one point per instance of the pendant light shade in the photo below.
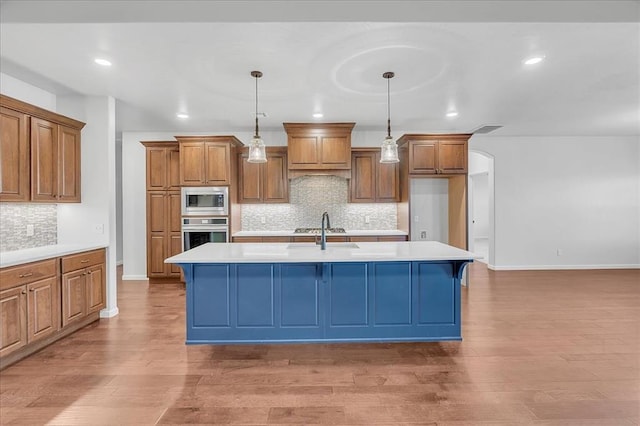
(389, 148)
(257, 153)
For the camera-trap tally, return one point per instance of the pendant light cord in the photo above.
(256, 135)
(388, 111)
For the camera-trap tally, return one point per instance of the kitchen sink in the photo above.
(299, 246)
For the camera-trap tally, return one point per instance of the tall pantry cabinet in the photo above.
(164, 235)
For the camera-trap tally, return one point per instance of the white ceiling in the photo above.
(185, 58)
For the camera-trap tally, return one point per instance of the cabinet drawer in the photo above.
(23, 274)
(82, 260)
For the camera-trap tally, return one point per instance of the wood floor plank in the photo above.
(544, 348)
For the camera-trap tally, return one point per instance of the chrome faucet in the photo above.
(323, 235)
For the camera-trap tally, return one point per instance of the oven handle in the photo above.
(205, 228)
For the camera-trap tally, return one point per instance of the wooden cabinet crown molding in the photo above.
(432, 137)
(325, 129)
(160, 144)
(223, 139)
(34, 111)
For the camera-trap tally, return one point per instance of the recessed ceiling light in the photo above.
(452, 114)
(182, 115)
(318, 115)
(103, 62)
(533, 60)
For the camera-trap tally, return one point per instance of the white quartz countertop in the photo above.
(18, 257)
(310, 252)
(348, 233)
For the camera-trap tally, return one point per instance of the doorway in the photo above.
(481, 237)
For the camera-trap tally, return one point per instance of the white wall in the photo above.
(429, 209)
(576, 194)
(26, 92)
(94, 220)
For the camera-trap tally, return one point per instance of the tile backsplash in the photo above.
(309, 197)
(14, 218)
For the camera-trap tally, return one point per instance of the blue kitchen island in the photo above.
(350, 292)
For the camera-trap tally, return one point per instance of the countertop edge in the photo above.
(21, 257)
(350, 233)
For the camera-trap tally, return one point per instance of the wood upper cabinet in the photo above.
(83, 285)
(372, 181)
(206, 160)
(14, 155)
(318, 146)
(39, 154)
(163, 166)
(263, 182)
(29, 304)
(436, 154)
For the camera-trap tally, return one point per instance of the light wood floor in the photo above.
(540, 348)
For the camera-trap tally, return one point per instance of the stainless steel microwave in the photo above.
(205, 201)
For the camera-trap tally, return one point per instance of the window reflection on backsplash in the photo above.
(309, 197)
(14, 218)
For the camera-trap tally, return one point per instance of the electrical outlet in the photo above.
(30, 230)
(558, 252)
(99, 228)
(416, 218)
(423, 235)
(367, 219)
(263, 220)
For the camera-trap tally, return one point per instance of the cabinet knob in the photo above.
(24, 291)
(32, 289)
(28, 274)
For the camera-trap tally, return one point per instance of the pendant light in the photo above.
(389, 149)
(257, 153)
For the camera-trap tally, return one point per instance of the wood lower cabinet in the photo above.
(164, 235)
(83, 285)
(436, 154)
(41, 302)
(263, 182)
(29, 304)
(318, 146)
(39, 154)
(372, 181)
(207, 160)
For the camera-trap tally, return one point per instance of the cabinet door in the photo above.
(174, 212)
(157, 253)
(275, 180)
(44, 160)
(13, 320)
(173, 172)
(452, 157)
(363, 177)
(192, 163)
(218, 163)
(14, 156)
(175, 247)
(156, 212)
(335, 152)
(250, 181)
(303, 152)
(68, 164)
(157, 169)
(422, 157)
(74, 296)
(43, 302)
(96, 288)
(387, 181)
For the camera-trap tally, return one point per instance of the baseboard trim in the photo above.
(559, 267)
(109, 313)
(134, 277)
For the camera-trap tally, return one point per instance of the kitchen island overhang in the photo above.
(296, 293)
